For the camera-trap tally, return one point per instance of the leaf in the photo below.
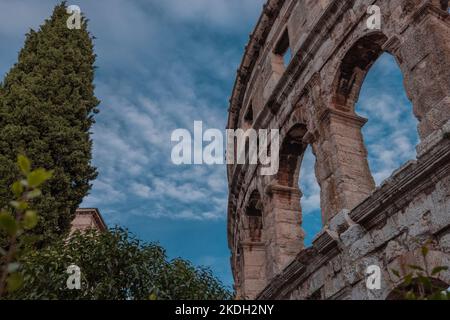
(30, 219)
(17, 189)
(38, 177)
(24, 164)
(414, 267)
(14, 282)
(19, 205)
(153, 297)
(426, 281)
(408, 279)
(34, 194)
(438, 270)
(8, 223)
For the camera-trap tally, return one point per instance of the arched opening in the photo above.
(390, 134)
(283, 216)
(282, 53)
(291, 155)
(354, 68)
(343, 145)
(310, 202)
(297, 172)
(443, 4)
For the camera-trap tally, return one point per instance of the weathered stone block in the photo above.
(353, 234)
(361, 247)
(393, 250)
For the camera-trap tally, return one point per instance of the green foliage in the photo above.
(16, 220)
(47, 104)
(114, 266)
(419, 283)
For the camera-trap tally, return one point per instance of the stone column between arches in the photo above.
(424, 55)
(282, 218)
(342, 169)
(253, 272)
(253, 258)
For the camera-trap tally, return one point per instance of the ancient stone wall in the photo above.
(301, 73)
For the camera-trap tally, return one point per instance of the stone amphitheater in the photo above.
(311, 100)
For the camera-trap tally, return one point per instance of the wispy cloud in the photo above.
(391, 133)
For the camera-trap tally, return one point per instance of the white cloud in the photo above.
(106, 191)
(141, 190)
(309, 186)
(391, 133)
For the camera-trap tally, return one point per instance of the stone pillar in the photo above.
(342, 168)
(282, 220)
(424, 54)
(253, 274)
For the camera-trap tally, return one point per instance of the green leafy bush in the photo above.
(114, 266)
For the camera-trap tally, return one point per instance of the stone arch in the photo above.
(291, 154)
(254, 218)
(423, 60)
(443, 4)
(344, 173)
(353, 69)
(283, 216)
(350, 78)
(357, 62)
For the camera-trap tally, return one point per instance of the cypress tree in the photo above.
(47, 104)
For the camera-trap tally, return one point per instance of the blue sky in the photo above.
(162, 65)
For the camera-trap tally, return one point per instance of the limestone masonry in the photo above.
(311, 99)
